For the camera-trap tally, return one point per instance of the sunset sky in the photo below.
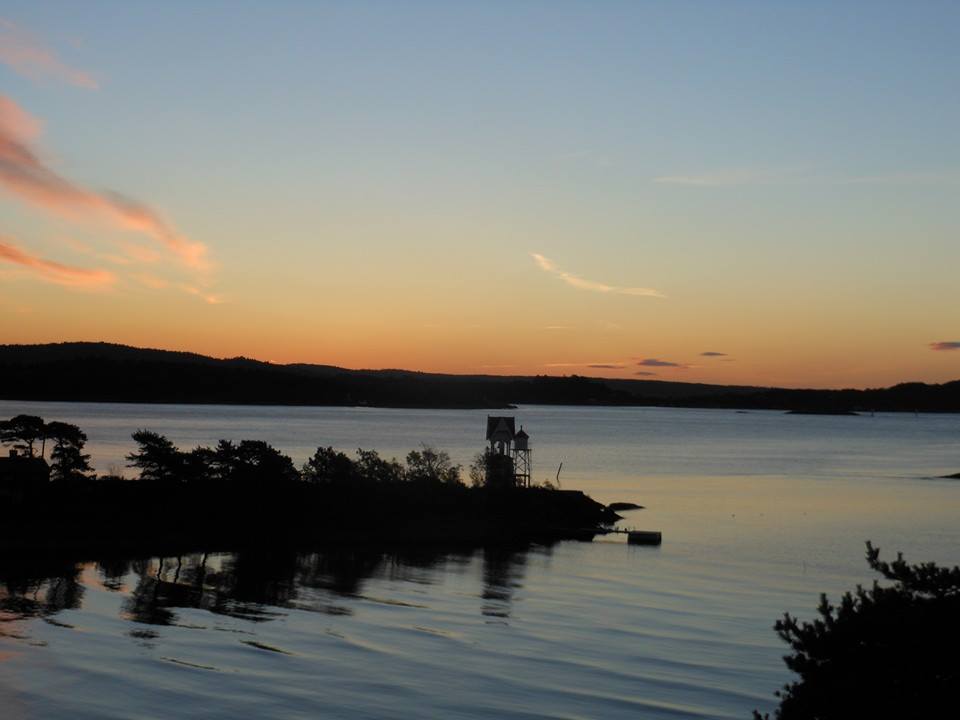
(732, 192)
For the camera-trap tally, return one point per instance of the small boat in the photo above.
(644, 537)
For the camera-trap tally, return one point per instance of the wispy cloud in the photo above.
(645, 373)
(601, 365)
(17, 126)
(150, 281)
(207, 297)
(139, 253)
(655, 362)
(548, 266)
(945, 345)
(900, 178)
(711, 353)
(77, 246)
(723, 178)
(54, 272)
(24, 174)
(26, 55)
(796, 176)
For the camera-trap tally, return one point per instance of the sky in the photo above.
(730, 192)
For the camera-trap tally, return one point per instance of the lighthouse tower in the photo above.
(522, 464)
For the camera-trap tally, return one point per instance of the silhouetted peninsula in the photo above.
(248, 492)
(102, 372)
(624, 506)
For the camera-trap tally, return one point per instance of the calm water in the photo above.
(760, 513)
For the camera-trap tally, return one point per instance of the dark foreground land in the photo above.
(101, 372)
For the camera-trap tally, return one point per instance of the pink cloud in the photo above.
(77, 246)
(27, 56)
(15, 122)
(151, 281)
(52, 271)
(24, 174)
(207, 297)
(945, 345)
(139, 253)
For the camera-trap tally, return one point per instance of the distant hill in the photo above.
(118, 373)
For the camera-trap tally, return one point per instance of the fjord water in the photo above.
(760, 512)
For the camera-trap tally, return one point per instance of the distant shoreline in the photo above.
(267, 403)
(848, 413)
(508, 406)
(102, 372)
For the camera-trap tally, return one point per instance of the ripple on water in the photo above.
(761, 512)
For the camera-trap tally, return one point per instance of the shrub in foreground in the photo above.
(888, 651)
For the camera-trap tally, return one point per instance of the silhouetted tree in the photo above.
(370, 467)
(478, 470)
(253, 461)
(69, 460)
(890, 651)
(328, 466)
(157, 457)
(200, 465)
(23, 432)
(490, 469)
(432, 466)
(223, 460)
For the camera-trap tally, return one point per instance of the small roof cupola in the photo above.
(521, 440)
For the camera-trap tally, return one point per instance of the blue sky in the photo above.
(784, 173)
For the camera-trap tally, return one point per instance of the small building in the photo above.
(20, 475)
(500, 433)
(508, 454)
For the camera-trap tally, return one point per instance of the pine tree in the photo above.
(68, 459)
(890, 651)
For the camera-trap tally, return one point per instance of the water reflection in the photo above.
(38, 587)
(503, 571)
(112, 573)
(254, 585)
